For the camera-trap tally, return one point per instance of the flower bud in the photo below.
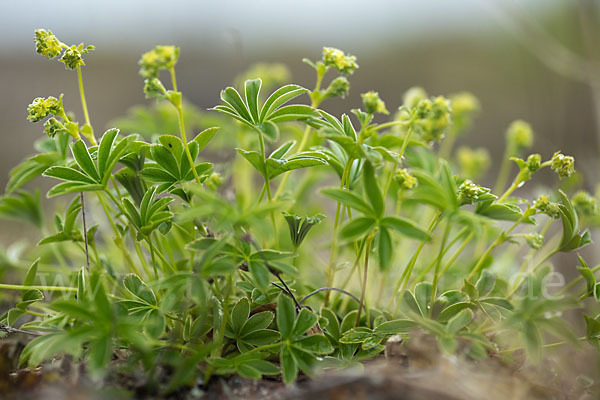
(339, 87)
(73, 56)
(563, 165)
(469, 192)
(433, 117)
(534, 240)
(345, 63)
(52, 127)
(160, 57)
(413, 96)
(473, 163)
(40, 108)
(404, 179)
(534, 161)
(585, 204)
(154, 88)
(214, 181)
(545, 206)
(519, 136)
(47, 44)
(464, 106)
(373, 104)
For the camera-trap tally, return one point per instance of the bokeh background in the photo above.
(537, 60)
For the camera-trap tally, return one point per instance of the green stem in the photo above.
(457, 253)
(364, 282)
(499, 240)
(504, 172)
(36, 287)
(444, 251)
(179, 108)
(86, 115)
(436, 275)
(331, 270)
(405, 277)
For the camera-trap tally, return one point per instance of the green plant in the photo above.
(191, 265)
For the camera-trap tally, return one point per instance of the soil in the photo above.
(414, 371)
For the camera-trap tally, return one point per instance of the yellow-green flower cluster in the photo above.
(545, 206)
(469, 192)
(433, 117)
(339, 87)
(40, 108)
(345, 63)
(73, 56)
(404, 179)
(585, 204)
(153, 87)
(373, 104)
(563, 165)
(52, 127)
(160, 57)
(413, 96)
(534, 162)
(473, 163)
(47, 44)
(534, 240)
(464, 106)
(519, 136)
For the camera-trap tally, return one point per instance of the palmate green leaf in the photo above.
(279, 98)
(283, 150)
(286, 316)
(406, 227)
(305, 320)
(385, 247)
(73, 187)
(31, 168)
(289, 368)
(252, 89)
(316, 344)
(255, 159)
(372, 189)
(22, 206)
(349, 199)
(256, 322)
(204, 137)
(276, 167)
(84, 160)
(239, 315)
(139, 289)
(395, 327)
(357, 227)
(68, 174)
(460, 320)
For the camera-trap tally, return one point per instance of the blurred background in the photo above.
(536, 60)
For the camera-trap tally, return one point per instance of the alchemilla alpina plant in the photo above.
(319, 239)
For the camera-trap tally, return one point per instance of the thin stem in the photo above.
(504, 172)
(365, 274)
(499, 240)
(85, 236)
(432, 264)
(149, 241)
(405, 277)
(305, 136)
(436, 275)
(86, 115)
(331, 270)
(37, 287)
(179, 108)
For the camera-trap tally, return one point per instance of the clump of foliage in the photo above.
(308, 249)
